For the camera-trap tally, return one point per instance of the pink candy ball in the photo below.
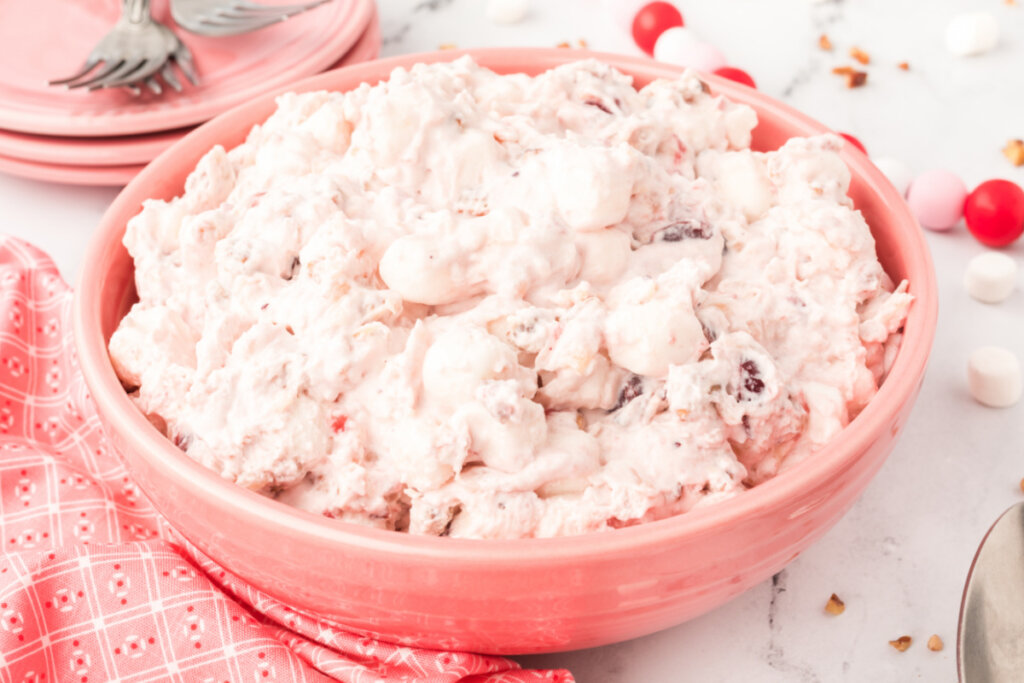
(936, 198)
(622, 12)
(677, 46)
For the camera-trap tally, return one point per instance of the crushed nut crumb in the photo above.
(447, 46)
(563, 44)
(904, 65)
(902, 643)
(860, 55)
(935, 643)
(582, 42)
(824, 43)
(1022, 485)
(842, 70)
(581, 421)
(1010, 3)
(1014, 151)
(835, 606)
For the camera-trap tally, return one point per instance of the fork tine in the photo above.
(145, 69)
(168, 75)
(183, 58)
(153, 85)
(89, 65)
(122, 76)
(108, 68)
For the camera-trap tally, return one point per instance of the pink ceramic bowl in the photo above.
(516, 596)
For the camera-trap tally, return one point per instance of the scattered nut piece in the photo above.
(935, 643)
(563, 44)
(856, 79)
(824, 43)
(904, 65)
(581, 421)
(446, 46)
(582, 42)
(1014, 151)
(1010, 3)
(902, 643)
(835, 606)
(860, 55)
(1022, 485)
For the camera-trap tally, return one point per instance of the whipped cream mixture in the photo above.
(458, 303)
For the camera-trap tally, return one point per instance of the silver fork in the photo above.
(230, 17)
(132, 53)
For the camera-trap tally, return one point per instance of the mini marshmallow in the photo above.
(937, 198)
(413, 267)
(898, 173)
(646, 338)
(678, 46)
(972, 33)
(507, 11)
(993, 377)
(990, 277)
(460, 359)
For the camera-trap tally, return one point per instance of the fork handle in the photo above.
(135, 11)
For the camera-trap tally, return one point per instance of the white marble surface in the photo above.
(899, 557)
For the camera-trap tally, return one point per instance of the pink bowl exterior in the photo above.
(516, 596)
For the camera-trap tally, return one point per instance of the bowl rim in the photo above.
(835, 457)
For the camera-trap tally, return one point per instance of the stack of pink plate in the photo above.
(106, 137)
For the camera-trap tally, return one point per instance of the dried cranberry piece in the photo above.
(709, 333)
(752, 382)
(633, 387)
(293, 269)
(594, 102)
(686, 229)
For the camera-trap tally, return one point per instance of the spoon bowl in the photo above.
(990, 637)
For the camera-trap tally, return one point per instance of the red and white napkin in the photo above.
(96, 587)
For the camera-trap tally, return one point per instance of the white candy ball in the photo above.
(993, 377)
(990, 277)
(675, 38)
(507, 11)
(678, 46)
(898, 173)
(972, 33)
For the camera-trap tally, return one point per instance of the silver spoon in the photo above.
(990, 637)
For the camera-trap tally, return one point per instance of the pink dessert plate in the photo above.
(115, 161)
(138, 149)
(70, 175)
(46, 39)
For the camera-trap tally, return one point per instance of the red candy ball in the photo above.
(854, 141)
(994, 212)
(738, 75)
(651, 21)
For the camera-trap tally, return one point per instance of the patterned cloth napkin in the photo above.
(96, 587)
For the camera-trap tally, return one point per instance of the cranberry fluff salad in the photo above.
(460, 303)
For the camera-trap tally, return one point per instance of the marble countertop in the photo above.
(899, 557)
